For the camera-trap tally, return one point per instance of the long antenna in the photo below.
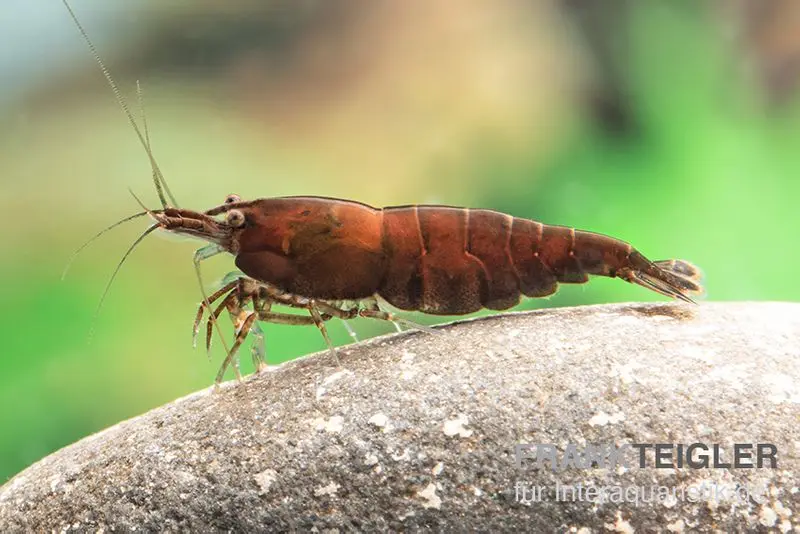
(94, 237)
(158, 177)
(150, 229)
(140, 98)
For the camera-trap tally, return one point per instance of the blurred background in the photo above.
(674, 126)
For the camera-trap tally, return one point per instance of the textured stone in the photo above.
(419, 431)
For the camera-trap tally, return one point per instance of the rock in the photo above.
(420, 431)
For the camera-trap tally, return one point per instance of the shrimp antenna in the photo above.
(98, 234)
(158, 177)
(150, 229)
(140, 98)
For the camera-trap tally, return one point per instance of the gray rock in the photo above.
(418, 431)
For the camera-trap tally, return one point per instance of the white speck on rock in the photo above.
(330, 489)
(601, 418)
(152, 449)
(334, 424)
(429, 497)
(265, 478)
(620, 525)
(370, 459)
(625, 372)
(408, 374)
(781, 510)
(675, 526)
(669, 501)
(409, 513)
(455, 427)
(767, 516)
(437, 469)
(404, 456)
(379, 420)
(408, 357)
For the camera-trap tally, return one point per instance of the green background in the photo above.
(463, 105)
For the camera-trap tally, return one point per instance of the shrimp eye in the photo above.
(235, 218)
(230, 199)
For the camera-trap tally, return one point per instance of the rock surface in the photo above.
(418, 431)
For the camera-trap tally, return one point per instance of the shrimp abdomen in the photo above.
(453, 261)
